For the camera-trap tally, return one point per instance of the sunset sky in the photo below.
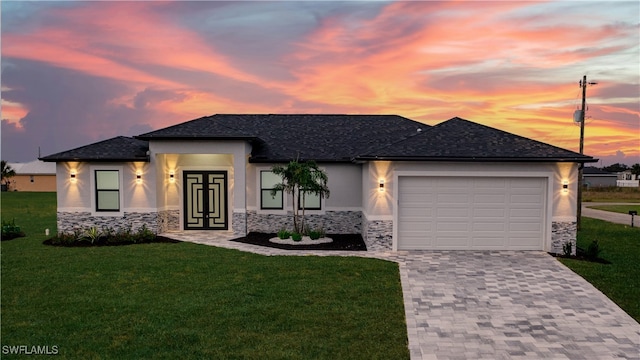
(77, 72)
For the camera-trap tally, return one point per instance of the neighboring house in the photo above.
(33, 176)
(400, 183)
(628, 179)
(594, 177)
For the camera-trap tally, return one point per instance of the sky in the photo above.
(77, 72)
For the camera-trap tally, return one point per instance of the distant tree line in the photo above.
(618, 167)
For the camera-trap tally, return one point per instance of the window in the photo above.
(311, 201)
(107, 190)
(267, 181)
(31, 178)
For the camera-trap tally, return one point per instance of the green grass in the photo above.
(612, 194)
(33, 212)
(189, 301)
(623, 209)
(620, 280)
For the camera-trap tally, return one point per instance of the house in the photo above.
(594, 177)
(33, 176)
(628, 179)
(400, 183)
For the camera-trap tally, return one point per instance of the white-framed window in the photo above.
(311, 201)
(107, 190)
(267, 182)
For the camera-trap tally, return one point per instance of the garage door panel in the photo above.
(453, 241)
(489, 212)
(471, 213)
(498, 199)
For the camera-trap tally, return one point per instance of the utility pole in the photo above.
(583, 84)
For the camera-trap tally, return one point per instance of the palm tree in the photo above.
(299, 179)
(7, 172)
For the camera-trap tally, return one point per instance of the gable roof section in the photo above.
(120, 148)
(461, 140)
(35, 167)
(283, 137)
(594, 171)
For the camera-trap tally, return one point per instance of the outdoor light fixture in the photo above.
(172, 176)
(381, 185)
(73, 176)
(565, 186)
(139, 177)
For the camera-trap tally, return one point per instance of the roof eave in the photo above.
(474, 159)
(77, 159)
(183, 137)
(287, 160)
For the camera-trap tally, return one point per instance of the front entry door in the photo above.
(205, 200)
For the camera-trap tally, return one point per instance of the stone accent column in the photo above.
(561, 233)
(378, 234)
(169, 220)
(239, 223)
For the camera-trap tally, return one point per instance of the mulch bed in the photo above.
(349, 242)
(101, 242)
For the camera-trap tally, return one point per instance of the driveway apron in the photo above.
(493, 305)
(504, 305)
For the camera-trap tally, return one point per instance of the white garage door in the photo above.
(473, 213)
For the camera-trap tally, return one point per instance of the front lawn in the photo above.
(620, 280)
(189, 301)
(623, 209)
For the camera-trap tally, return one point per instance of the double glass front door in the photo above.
(205, 200)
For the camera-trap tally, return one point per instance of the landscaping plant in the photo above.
(299, 179)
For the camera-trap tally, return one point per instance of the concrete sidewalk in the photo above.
(610, 216)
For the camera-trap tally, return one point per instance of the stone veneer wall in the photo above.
(169, 220)
(378, 234)
(562, 232)
(68, 222)
(332, 222)
(239, 223)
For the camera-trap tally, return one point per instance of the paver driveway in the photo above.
(493, 305)
(506, 304)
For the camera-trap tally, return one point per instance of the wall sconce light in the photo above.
(72, 176)
(139, 177)
(565, 186)
(172, 176)
(381, 185)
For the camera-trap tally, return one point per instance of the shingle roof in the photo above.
(590, 170)
(461, 140)
(120, 148)
(34, 168)
(336, 138)
(277, 138)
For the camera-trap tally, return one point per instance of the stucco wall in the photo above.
(78, 195)
(40, 182)
(344, 181)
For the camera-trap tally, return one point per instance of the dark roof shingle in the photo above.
(120, 148)
(283, 137)
(461, 140)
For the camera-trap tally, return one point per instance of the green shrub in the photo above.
(144, 235)
(10, 230)
(92, 235)
(593, 250)
(284, 234)
(108, 236)
(296, 236)
(316, 234)
(567, 248)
